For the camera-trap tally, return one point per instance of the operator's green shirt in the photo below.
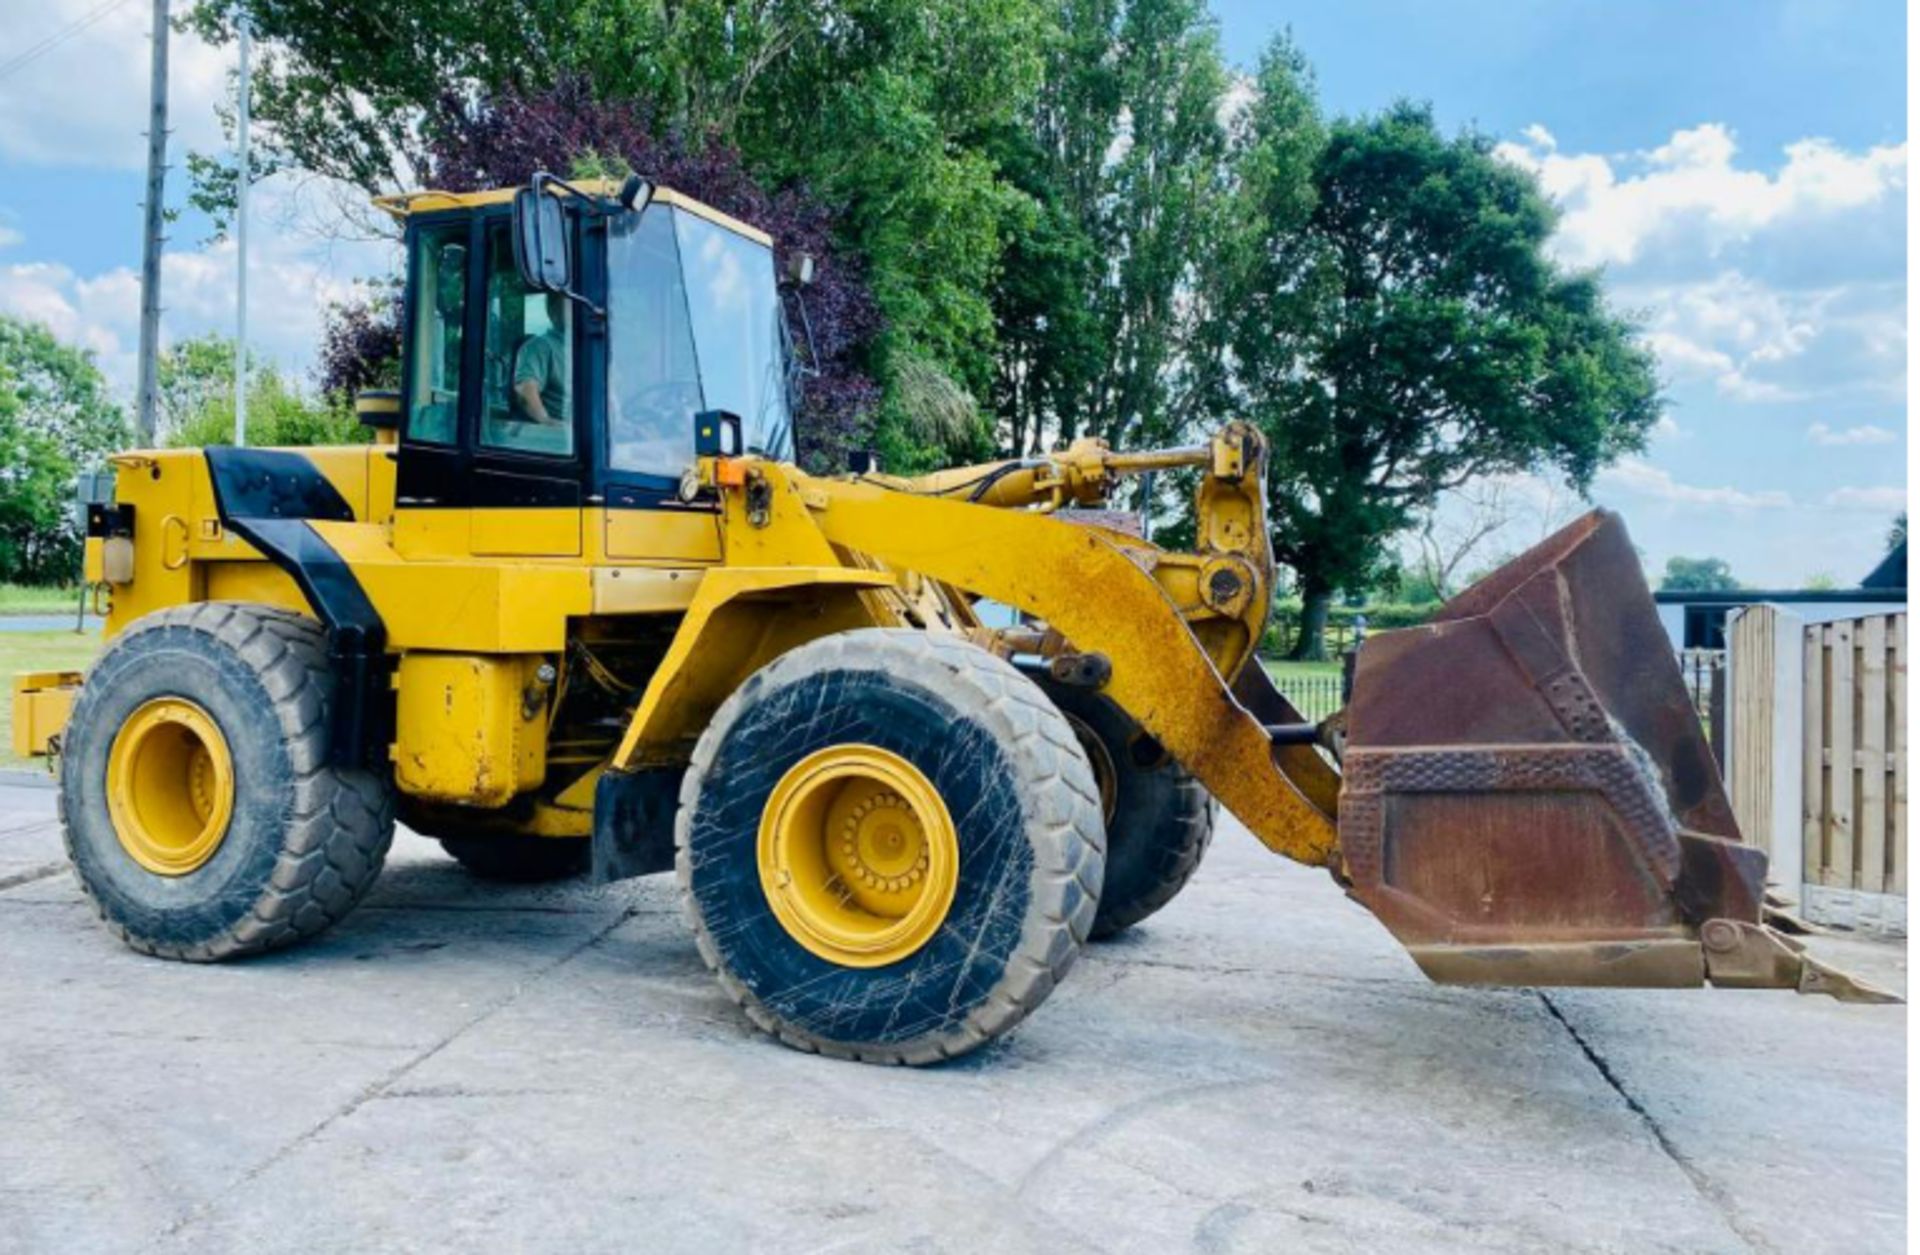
(543, 362)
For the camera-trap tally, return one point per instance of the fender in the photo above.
(270, 498)
(741, 619)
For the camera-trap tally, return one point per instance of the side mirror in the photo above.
(635, 192)
(800, 269)
(540, 241)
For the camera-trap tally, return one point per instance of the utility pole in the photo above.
(150, 253)
(240, 244)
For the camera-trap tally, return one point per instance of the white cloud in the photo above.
(1665, 428)
(1615, 206)
(1541, 138)
(1865, 433)
(1641, 478)
(9, 236)
(84, 101)
(1688, 358)
(1728, 329)
(1756, 342)
(1877, 500)
(1762, 278)
(293, 276)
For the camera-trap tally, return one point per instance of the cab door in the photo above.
(527, 470)
(430, 491)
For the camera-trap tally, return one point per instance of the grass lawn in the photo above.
(1279, 668)
(37, 651)
(37, 599)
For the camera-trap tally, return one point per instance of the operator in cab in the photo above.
(541, 367)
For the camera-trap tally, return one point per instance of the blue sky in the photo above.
(1737, 167)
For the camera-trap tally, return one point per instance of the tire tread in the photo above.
(1058, 789)
(341, 823)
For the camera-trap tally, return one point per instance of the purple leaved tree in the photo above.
(360, 344)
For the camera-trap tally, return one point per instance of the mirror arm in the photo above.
(811, 368)
(597, 204)
(581, 299)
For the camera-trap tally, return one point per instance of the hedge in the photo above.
(1284, 622)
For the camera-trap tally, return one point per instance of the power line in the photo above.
(60, 36)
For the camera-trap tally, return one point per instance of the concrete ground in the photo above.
(463, 1066)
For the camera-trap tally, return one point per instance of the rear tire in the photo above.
(1159, 819)
(304, 840)
(1016, 799)
(520, 860)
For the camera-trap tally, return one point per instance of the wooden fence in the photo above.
(1854, 753)
(1816, 759)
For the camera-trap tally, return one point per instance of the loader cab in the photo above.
(558, 422)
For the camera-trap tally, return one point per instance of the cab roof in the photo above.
(402, 204)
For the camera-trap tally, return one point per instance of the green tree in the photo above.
(1245, 274)
(1820, 582)
(56, 419)
(1121, 152)
(1698, 575)
(882, 107)
(1897, 534)
(196, 402)
(192, 376)
(1408, 336)
(1049, 343)
(1171, 82)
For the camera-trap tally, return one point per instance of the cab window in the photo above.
(439, 314)
(653, 379)
(527, 404)
(734, 306)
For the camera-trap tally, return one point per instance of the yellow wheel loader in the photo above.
(906, 743)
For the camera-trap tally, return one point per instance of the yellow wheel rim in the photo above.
(170, 786)
(858, 855)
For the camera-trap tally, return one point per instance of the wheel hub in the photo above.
(882, 847)
(858, 855)
(170, 786)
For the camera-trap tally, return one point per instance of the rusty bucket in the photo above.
(1529, 799)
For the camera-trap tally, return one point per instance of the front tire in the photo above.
(889, 846)
(199, 809)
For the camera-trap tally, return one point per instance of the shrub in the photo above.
(1285, 622)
